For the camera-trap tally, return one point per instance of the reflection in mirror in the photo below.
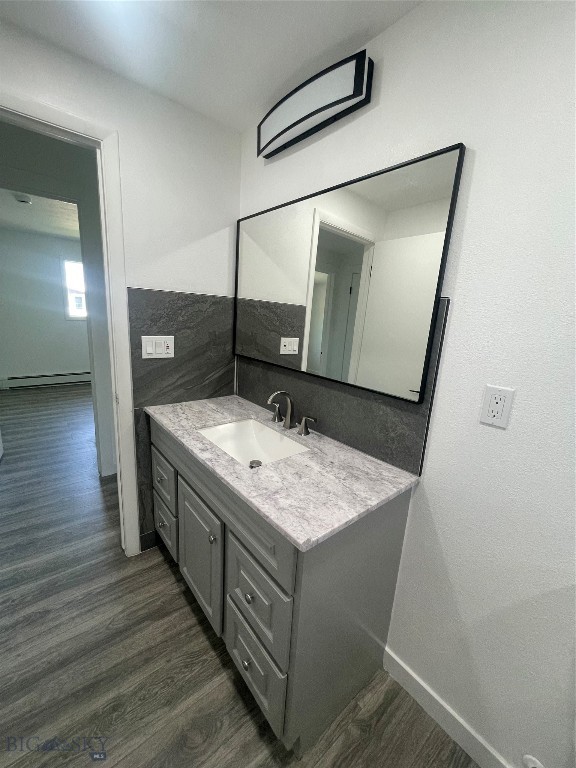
(353, 273)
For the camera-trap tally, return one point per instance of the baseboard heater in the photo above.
(45, 379)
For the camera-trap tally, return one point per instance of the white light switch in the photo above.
(289, 346)
(496, 406)
(157, 346)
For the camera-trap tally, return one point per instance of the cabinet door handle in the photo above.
(159, 479)
(211, 538)
(161, 525)
(246, 664)
(249, 598)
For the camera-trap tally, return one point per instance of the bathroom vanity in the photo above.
(293, 562)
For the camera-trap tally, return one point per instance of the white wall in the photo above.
(401, 298)
(417, 220)
(179, 170)
(400, 302)
(275, 248)
(36, 337)
(275, 255)
(484, 611)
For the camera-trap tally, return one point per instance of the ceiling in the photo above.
(340, 244)
(411, 185)
(44, 215)
(228, 59)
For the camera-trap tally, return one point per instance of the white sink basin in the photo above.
(250, 440)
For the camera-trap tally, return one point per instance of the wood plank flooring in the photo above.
(94, 644)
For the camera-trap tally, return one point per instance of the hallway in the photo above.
(95, 644)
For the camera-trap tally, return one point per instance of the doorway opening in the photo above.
(339, 277)
(337, 274)
(56, 405)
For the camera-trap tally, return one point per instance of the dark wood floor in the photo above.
(94, 644)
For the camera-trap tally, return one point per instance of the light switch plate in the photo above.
(496, 406)
(157, 346)
(289, 346)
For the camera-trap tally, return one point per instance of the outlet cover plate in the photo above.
(289, 346)
(157, 346)
(496, 406)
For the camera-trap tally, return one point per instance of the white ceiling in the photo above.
(44, 216)
(332, 241)
(229, 59)
(415, 184)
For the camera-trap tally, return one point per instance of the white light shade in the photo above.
(321, 100)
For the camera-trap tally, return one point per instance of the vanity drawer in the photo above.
(164, 480)
(166, 525)
(266, 682)
(266, 608)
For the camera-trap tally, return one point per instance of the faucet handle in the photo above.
(276, 417)
(303, 426)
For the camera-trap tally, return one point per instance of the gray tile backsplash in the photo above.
(261, 324)
(389, 429)
(203, 362)
(202, 366)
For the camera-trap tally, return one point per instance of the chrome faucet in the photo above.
(288, 418)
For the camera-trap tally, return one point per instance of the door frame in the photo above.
(47, 120)
(353, 232)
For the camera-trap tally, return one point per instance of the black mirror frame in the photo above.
(451, 212)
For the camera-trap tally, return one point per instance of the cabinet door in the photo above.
(201, 553)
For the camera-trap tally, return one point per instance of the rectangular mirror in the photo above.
(344, 284)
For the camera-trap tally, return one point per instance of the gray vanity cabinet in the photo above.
(201, 553)
(306, 629)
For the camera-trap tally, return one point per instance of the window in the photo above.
(75, 290)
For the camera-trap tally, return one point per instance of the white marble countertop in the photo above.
(307, 497)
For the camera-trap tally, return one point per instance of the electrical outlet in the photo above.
(496, 406)
(530, 762)
(289, 346)
(157, 346)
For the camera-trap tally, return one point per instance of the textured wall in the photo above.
(389, 429)
(484, 610)
(261, 324)
(202, 366)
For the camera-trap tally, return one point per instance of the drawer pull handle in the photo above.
(161, 524)
(159, 479)
(211, 538)
(246, 664)
(249, 598)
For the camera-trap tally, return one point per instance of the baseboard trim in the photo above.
(457, 728)
(45, 379)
